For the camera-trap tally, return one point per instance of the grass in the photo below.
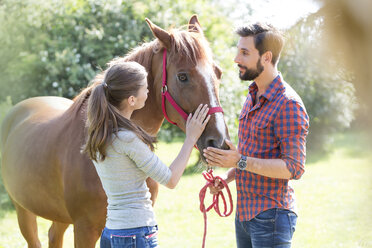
(334, 198)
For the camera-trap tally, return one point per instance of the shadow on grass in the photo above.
(5, 202)
(354, 143)
(5, 208)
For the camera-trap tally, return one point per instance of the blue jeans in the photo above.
(271, 228)
(141, 237)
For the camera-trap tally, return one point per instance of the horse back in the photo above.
(37, 109)
(31, 170)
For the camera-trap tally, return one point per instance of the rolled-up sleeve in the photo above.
(291, 129)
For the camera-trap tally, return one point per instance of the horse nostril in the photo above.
(217, 143)
(225, 146)
(212, 143)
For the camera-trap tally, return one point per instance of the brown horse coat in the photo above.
(43, 169)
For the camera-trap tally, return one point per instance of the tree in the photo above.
(56, 48)
(324, 86)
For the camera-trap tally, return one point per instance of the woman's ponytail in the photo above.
(121, 81)
(98, 124)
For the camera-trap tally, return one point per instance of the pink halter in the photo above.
(165, 95)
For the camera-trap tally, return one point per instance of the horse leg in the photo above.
(153, 188)
(28, 225)
(86, 234)
(55, 234)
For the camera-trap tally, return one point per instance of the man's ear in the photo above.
(162, 35)
(267, 57)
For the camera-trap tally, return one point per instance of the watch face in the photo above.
(242, 164)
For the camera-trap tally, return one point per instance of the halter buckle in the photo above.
(164, 89)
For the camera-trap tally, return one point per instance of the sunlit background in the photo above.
(55, 48)
(282, 14)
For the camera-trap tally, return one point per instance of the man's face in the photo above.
(248, 59)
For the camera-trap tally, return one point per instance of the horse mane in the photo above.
(187, 47)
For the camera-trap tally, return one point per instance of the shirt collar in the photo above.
(270, 92)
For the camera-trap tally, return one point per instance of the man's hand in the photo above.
(222, 158)
(216, 187)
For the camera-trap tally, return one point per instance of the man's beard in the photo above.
(251, 74)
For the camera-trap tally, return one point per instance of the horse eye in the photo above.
(182, 77)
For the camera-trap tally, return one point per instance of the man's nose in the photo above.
(237, 59)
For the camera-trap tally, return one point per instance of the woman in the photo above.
(123, 155)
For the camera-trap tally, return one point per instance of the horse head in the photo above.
(192, 78)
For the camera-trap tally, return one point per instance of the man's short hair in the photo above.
(266, 38)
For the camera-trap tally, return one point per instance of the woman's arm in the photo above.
(195, 125)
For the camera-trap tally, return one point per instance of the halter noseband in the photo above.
(166, 96)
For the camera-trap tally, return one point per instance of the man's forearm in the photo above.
(275, 168)
(230, 175)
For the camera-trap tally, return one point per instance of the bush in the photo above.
(324, 87)
(5, 202)
(56, 48)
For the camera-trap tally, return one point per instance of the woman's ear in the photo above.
(131, 101)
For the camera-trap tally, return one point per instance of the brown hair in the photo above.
(266, 38)
(121, 80)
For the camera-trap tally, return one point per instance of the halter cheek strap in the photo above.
(166, 96)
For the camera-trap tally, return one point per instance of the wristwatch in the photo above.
(242, 164)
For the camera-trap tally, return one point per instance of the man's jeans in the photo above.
(141, 237)
(271, 228)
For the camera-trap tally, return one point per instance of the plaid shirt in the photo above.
(275, 127)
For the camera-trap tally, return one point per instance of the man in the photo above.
(273, 125)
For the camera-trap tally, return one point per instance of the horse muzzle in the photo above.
(214, 135)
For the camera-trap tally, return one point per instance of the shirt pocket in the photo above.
(260, 124)
(261, 131)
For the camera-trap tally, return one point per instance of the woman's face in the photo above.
(141, 97)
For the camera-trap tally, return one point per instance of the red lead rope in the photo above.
(208, 175)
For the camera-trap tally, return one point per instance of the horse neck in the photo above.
(75, 117)
(150, 117)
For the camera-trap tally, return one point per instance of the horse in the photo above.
(43, 168)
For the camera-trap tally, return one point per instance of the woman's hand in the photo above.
(196, 123)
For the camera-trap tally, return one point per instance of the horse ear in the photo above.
(194, 25)
(160, 33)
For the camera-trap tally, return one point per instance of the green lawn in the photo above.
(334, 198)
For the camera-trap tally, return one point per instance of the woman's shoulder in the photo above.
(122, 140)
(125, 136)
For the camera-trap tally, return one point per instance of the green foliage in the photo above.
(64, 45)
(5, 202)
(324, 87)
(56, 47)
